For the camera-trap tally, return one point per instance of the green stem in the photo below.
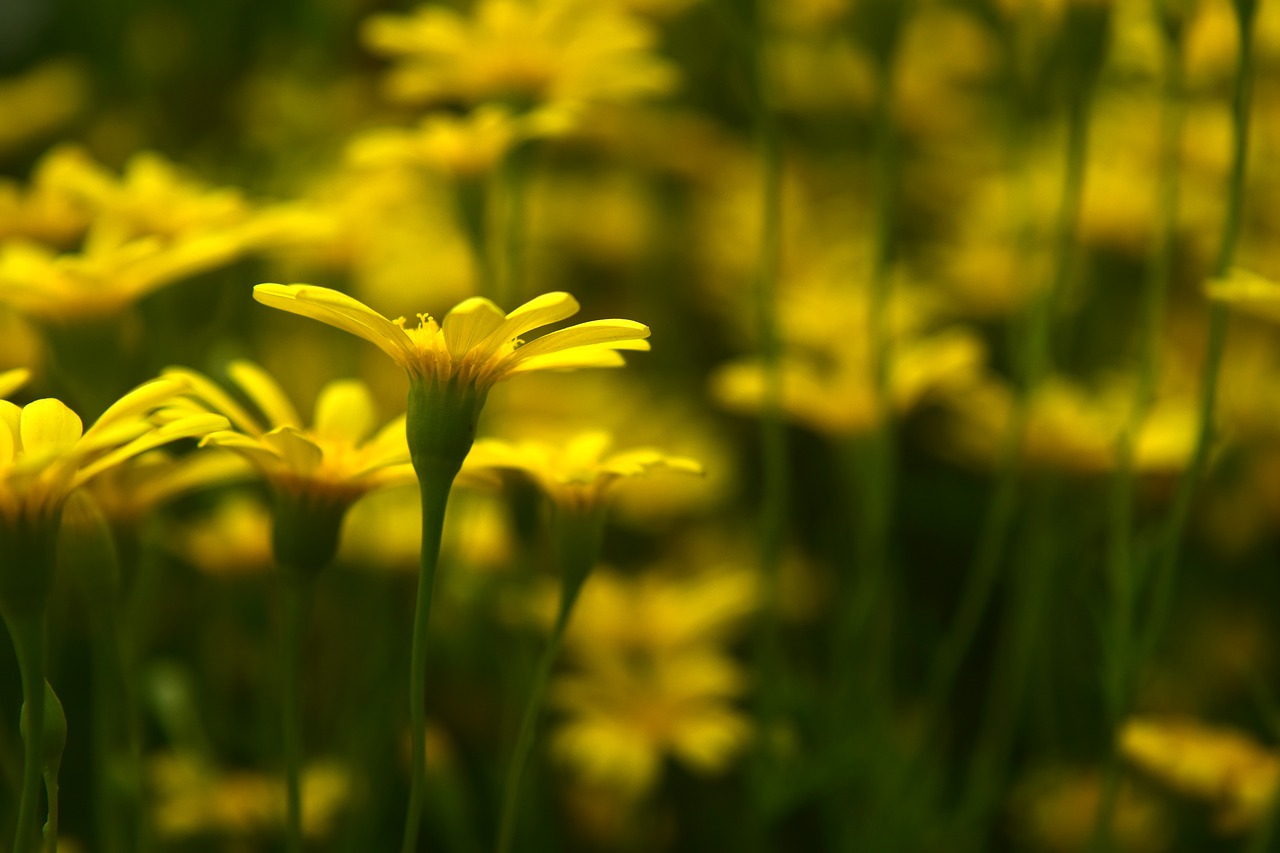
(27, 632)
(773, 432)
(435, 497)
(1166, 569)
(51, 825)
(515, 221)
(296, 588)
(579, 536)
(1124, 653)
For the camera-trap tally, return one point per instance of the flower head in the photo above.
(340, 455)
(476, 345)
(580, 473)
(553, 55)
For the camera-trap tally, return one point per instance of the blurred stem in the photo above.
(26, 629)
(578, 533)
(1166, 568)
(120, 818)
(773, 434)
(1123, 656)
(434, 487)
(296, 591)
(472, 201)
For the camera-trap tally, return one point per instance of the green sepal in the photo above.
(305, 531)
(440, 425)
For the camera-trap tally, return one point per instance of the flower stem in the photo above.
(296, 588)
(27, 632)
(1125, 574)
(515, 220)
(435, 497)
(579, 537)
(1166, 568)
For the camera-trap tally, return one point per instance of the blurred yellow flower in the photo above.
(36, 103)
(1070, 428)
(45, 452)
(129, 492)
(467, 146)
(650, 677)
(231, 540)
(12, 380)
(1248, 291)
(579, 473)
(556, 56)
(1056, 810)
(337, 459)
(1233, 773)
(193, 798)
(476, 345)
(46, 210)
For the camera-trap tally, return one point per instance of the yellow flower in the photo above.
(1249, 291)
(476, 345)
(657, 688)
(45, 452)
(1232, 772)
(231, 540)
(463, 146)
(128, 493)
(46, 210)
(579, 473)
(193, 798)
(336, 457)
(555, 55)
(38, 102)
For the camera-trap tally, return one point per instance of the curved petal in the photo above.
(12, 380)
(138, 402)
(48, 425)
(592, 333)
(569, 360)
(265, 392)
(539, 311)
(195, 426)
(342, 312)
(300, 454)
(345, 411)
(470, 323)
(210, 395)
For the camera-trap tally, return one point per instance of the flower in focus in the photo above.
(476, 345)
(555, 56)
(650, 678)
(579, 473)
(1233, 773)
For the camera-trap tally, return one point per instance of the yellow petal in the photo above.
(12, 380)
(265, 393)
(195, 426)
(539, 311)
(138, 402)
(593, 333)
(300, 453)
(11, 418)
(265, 459)
(342, 312)
(48, 425)
(211, 395)
(8, 445)
(569, 360)
(344, 411)
(469, 323)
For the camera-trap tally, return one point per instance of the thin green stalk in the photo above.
(1124, 653)
(296, 588)
(27, 632)
(435, 497)
(773, 434)
(514, 174)
(51, 824)
(579, 538)
(1166, 568)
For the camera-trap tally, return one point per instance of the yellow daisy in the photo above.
(476, 345)
(580, 473)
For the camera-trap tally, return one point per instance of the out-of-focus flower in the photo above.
(35, 104)
(666, 687)
(46, 210)
(231, 540)
(1056, 810)
(827, 380)
(1231, 772)
(45, 452)
(465, 147)
(128, 493)
(316, 473)
(1248, 291)
(12, 380)
(1069, 428)
(579, 473)
(193, 799)
(554, 56)
(147, 229)
(476, 345)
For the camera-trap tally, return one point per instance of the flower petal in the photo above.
(265, 392)
(469, 323)
(344, 411)
(195, 426)
(48, 425)
(210, 395)
(300, 454)
(139, 401)
(539, 311)
(342, 312)
(12, 380)
(592, 333)
(569, 360)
